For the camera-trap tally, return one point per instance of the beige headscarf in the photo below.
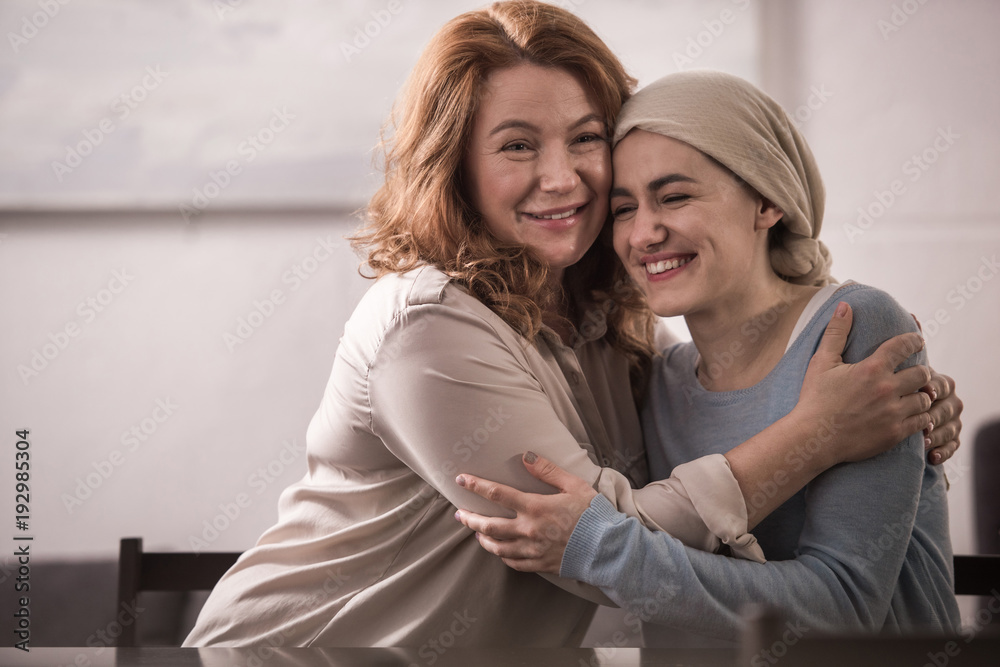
(741, 127)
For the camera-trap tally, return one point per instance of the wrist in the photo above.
(815, 445)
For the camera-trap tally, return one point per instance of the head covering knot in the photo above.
(742, 128)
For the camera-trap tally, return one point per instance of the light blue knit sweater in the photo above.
(864, 546)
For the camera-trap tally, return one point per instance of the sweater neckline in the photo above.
(807, 322)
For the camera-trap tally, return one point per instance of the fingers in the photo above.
(513, 549)
(913, 379)
(831, 346)
(945, 411)
(939, 386)
(501, 494)
(547, 471)
(914, 423)
(497, 527)
(940, 436)
(896, 350)
(915, 404)
(939, 455)
(523, 554)
(948, 405)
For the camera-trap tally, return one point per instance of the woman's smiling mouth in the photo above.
(664, 265)
(556, 218)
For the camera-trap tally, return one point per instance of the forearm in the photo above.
(830, 586)
(775, 464)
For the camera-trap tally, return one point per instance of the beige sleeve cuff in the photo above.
(715, 495)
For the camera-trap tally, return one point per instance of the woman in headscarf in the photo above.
(717, 205)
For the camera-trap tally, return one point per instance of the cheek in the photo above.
(598, 174)
(496, 186)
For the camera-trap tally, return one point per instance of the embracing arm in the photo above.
(872, 407)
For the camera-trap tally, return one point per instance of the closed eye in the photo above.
(623, 212)
(589, 138)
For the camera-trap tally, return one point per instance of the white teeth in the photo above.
(557, 216)
(660, 267)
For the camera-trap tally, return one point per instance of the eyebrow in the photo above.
(655, 185)
(525, 125)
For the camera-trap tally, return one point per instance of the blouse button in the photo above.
(605, 461)
(574, 377)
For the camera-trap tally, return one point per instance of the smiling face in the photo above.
(538, 168)
(690, 235)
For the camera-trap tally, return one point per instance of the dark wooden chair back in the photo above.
(977, 575)
(147, 571)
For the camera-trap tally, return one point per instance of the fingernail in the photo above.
(841, 309)
(935, 458)
(933, 395)
(460, 480)
(927, 442)
(930, 427)
(530, 457)
(458, 517)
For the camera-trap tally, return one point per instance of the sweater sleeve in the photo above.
(856, 535)
(458, 396)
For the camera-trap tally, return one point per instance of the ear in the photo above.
(767, 215)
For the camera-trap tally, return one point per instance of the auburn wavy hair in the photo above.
(421, 214)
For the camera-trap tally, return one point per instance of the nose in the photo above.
(558, 172)
(647, 230)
